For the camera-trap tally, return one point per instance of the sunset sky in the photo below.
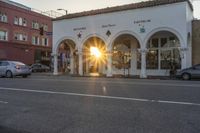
(84, 5)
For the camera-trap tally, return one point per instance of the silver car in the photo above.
(10, 69)
(189, 73)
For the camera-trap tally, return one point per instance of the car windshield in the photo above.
(18, 63)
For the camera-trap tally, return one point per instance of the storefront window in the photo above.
(154, 43)
(163, 53)
(165, 59)
(152, 59)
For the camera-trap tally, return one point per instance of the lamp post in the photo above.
(63, 10)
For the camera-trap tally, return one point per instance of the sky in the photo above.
(73, 6)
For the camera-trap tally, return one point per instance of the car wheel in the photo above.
(9, 74)
(186, 76)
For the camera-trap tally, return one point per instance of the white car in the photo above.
(11, 69)
(189, 73)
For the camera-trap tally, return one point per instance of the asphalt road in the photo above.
(48, 104)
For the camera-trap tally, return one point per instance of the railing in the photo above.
(51, 13)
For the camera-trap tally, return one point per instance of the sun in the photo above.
(95, 52)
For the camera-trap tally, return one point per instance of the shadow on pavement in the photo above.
(4, 129)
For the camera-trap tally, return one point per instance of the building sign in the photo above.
(142, 21)
(80, 28)
(108, 25)
(49, 33)
(141, 24)
(142, 30)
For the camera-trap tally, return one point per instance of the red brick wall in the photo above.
(15, 50)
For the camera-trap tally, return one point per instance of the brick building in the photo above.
(25, 35)
(195, 42)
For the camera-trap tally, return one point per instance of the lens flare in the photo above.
(95, 52)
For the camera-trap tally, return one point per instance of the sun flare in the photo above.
(95, 52)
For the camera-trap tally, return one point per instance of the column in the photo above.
(109, 64)
(80, 56)
(55, 70)
(72, 63)
(183, 53)
(143, 64)
(133, 68)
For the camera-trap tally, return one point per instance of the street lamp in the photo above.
(63, 10)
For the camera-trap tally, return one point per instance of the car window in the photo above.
(3, 63)
(197, 67)
(18, 63)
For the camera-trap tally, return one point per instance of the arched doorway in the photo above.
(94, 56)
(163, 53)
(126, 60)
(67, 59)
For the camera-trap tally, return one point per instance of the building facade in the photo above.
(140, 39)
(24, 34)
(195, 42)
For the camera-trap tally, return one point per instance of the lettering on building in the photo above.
(80, 28)
(108, 25)
(142, 21)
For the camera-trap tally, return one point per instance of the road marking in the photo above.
(101, 96)
(3, 102)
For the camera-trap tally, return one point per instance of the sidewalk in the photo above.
(50, 74)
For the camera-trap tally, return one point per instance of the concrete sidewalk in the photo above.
(99, 76)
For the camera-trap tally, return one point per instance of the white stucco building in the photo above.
(140, 39)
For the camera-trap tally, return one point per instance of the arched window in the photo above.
(163, 51)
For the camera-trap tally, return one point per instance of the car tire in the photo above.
(9, 74)
(186, 76)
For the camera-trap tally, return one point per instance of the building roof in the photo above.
(16, 4)
(151, 3)
(49, 14)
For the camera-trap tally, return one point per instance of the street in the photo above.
(63, 104)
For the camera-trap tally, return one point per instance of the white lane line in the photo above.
(123, 82)
(101, 96)
(3, 102)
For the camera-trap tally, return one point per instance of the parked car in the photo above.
(10, 69)
(38, 67)
(189, 73)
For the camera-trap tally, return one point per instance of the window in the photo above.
(45, 41)
(152, 59)
(16, 20)
(154, 43)
(3, 17)
(20, 37)
(45, 27)
(152, 55)
(163, 52)
(35, 25)
(163, 42)
(20, 21)
(35, 40)
(24, 22)
(3, 35)
(165, 58)
(3, 63)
